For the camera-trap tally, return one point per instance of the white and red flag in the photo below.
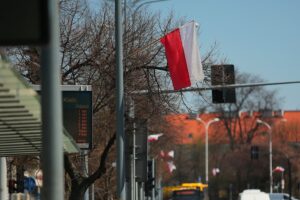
(183, 56)
(154, 137)
(171, 166)
(278, 169)
(215, 171)
(171, 153)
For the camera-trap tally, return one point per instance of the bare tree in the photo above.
(87, 56)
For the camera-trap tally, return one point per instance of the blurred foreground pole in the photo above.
(52, 138)
(121, 189)
(3, 179)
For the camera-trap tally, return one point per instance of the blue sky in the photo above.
(260, 37)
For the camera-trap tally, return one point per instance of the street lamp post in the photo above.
(270, 151)
(206, 125)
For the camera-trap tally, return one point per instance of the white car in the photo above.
(253, 194)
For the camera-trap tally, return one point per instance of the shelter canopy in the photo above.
(20, 117)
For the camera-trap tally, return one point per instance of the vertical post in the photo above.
(3, 179)
(206, 126)
(206, 153)
(142, 191)
(136, 190)
(270, 152)
(153, 182)
(133, 166)
(133, 156)
(85, 169)
(159, 188)
(282, 182)
(270, 159)
(290, 177)
(121, 191)
(93, 192)
(52, 139)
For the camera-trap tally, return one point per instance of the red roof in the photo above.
(187, 130)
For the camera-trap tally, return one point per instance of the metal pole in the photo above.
(206, 153)
(132, 183)
(121, 189)
(206, 126)
(271, 163)
(52, 139)
(159, 188)
(85, 169)
(93, 192)
(282, 182)
(270, 152)
(133, 167)
(153, 182)
(3, 179)
(136, 190)
(142, 193)
(133, 156)
(140, 92)
(290, 177)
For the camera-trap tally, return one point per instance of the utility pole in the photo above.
(52, 139)
(121, 186)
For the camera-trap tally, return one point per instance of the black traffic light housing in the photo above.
(223, 75)
(150, 183)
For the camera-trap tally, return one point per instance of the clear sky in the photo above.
(260, 37)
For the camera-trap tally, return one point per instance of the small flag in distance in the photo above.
(154, 137)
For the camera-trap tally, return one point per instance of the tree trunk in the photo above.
(77, 193)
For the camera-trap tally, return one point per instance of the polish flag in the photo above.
(171, 154)
(278, 169)
(171, 166)
(215, 171)
(154, 137)
(183, 56)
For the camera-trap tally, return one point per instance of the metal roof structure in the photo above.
(20, 117)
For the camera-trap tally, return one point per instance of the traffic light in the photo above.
(141, 150)
(150, 183)
(254, 152)
(223, 75)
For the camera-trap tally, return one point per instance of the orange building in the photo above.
(243, 126)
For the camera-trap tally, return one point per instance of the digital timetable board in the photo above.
(77, 106)
(77, 116)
